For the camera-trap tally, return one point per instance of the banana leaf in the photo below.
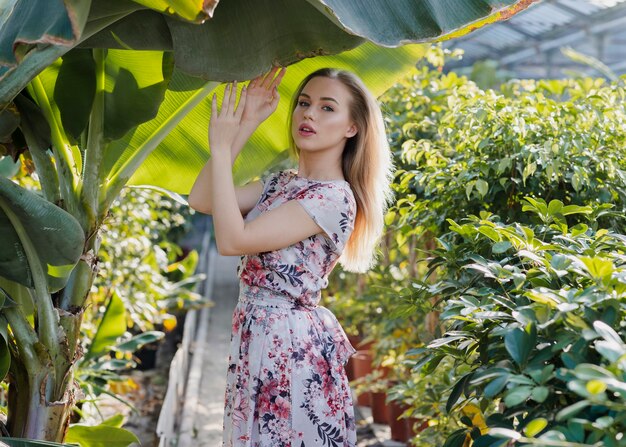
(241, 40)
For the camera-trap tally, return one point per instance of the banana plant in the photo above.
(95, 120)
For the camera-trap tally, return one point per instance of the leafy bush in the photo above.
(536, 311)
(461, 149)
(142, 263)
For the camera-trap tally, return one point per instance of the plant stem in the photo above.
(60, 144)
(48, 176)
(94, 150)
(47, 315)
(24, 336)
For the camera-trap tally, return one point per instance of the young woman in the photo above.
(286, 384)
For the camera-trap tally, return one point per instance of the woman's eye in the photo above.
(329, 108)
(302, 103)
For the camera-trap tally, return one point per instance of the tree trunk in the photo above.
(31, 416)
(432, 319)
(41, 396)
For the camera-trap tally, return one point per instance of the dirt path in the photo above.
(210, 403)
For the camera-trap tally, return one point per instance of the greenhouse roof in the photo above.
(529, 43)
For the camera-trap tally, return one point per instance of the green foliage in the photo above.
(145, 282)
(34, 229)
(539, 323)
(141, 263)
(461, 149)
(103, 435)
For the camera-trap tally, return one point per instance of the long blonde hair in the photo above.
(367, 164)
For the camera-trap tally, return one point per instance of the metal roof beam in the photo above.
(568, 9)
(597, 26)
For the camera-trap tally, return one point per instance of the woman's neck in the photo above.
(320, 169)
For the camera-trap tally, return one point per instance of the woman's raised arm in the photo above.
(247, 196)
(256, 110)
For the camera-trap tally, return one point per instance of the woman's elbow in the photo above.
(225, 250)
(198, 205)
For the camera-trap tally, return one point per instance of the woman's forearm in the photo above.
(228, 223)
(200, 195)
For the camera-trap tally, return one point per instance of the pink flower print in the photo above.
(240, 409)
(328, 385)
(320, 365)
(264, 403)
(238, 319)
(270, 388)
(254, 273)
(281, 408)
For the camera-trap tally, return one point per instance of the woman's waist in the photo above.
(263, 296)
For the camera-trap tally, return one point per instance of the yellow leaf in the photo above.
(123, 387)
(535, 427)
(169, 323)
(596, 387)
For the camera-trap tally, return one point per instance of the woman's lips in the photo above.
(306, 130)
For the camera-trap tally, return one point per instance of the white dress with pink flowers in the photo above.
(286, 384)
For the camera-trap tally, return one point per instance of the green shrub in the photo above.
(536, 311)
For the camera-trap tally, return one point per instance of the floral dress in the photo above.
(286, 384)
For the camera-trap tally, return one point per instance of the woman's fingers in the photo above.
(233, 98)
(229, 101)
(225, 100)
(213, 107)
(242, 103)
(278, 78)
(267, 82)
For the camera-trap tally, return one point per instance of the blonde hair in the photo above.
(367, 164)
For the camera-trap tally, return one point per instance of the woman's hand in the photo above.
(224, 127)
(262, 97)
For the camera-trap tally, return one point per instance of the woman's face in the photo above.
(321, 119)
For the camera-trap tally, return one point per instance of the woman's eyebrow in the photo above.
(328, 98)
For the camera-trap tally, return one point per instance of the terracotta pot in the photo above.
(399, 427)
(379, 408)
(365, 346)
(357, 342)
(349, 367)
(362, 366)
(354, 339)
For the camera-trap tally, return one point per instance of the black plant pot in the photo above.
(146, 356)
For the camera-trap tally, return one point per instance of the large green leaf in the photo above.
(74, 81)
(56, 236)
(135, 84)
(192, 10)
(111, 327)
(395, 22)
(23, 27)
(245, 37)
(178, 158)
(100, 436)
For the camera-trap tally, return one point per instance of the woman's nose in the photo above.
(308, 114)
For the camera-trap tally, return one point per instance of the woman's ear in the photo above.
(352, 131)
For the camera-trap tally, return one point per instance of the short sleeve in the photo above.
(265, 179)
(333, 208)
